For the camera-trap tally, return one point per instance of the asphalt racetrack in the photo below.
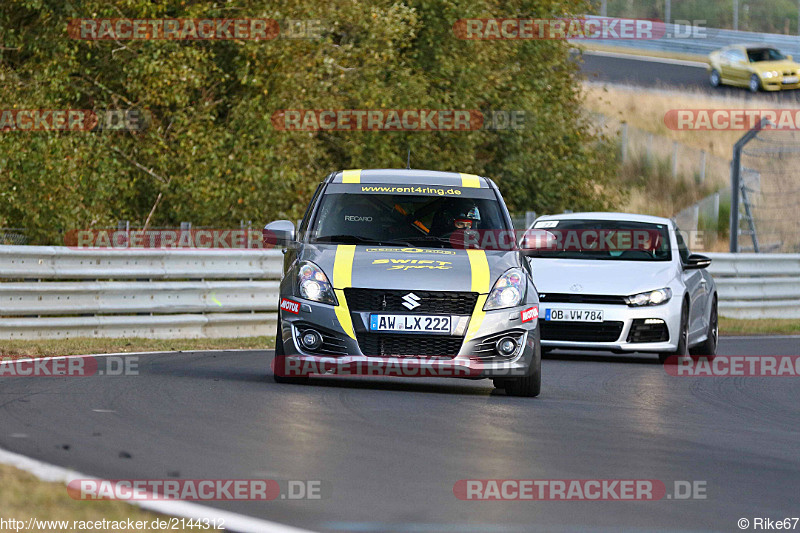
(389, 450)
(656, 74)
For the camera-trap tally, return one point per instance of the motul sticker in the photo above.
(292, 307)
(530, 314)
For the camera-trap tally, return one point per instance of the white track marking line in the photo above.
(195, 511)
(5, 359)
(650, 59)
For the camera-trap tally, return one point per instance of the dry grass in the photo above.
(23, 496)
(759, 326)
(645, 109)
(82, 346)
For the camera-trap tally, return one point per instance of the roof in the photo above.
(394, 176)
(627, 217)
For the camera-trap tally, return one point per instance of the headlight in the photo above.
(656, 297)
(772, 74)
(768, 74)
(312, 284)
(508, 290)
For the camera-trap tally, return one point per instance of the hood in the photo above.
(423, 269)
(620, 278)
(781, 64)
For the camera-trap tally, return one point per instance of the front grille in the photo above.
(447, 303)
(332, 344)
(382, 344)
(641, 332)
(554, 297)
(580, 331)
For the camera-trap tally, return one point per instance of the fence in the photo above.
(684, 161)
(770, 193)
(704, 40)
(56, 292)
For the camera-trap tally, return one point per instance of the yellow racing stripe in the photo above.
(479, 266)
(351, 176)
(343, 278)
(470, 180)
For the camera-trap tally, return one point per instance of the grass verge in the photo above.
(759, 326)
(85, 345)
(23, 496)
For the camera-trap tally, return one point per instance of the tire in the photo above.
(715, 78)
(529, 386)
(279, 352)
(755, 84)
(708, 347)
(683, 337)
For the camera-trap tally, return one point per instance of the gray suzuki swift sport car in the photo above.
(408, 270)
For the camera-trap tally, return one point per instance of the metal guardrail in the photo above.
(58, 292)
(230, 293)
(757, 285)
(705, 40)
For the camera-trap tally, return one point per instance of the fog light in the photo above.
(506, 346)
(311, 339)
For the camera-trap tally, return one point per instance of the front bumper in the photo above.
(776, 84)
(342, 354)
(670, 313)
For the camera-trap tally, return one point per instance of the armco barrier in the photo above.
(57, 292)
(757, 285)
(703, 41)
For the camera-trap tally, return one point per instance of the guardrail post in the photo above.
(675, 160)
(702, 166)
(624, 142)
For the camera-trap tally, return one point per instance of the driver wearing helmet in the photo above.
(468, 217)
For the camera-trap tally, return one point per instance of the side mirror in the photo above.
(697, 261)
(789, 57)
(279, 233)
(537, 240)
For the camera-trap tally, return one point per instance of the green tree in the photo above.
(211, 151)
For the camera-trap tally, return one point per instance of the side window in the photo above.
(307, 216)
(683, 250)
(737, 55)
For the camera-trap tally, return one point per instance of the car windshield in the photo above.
(403, 219)
(764, 54)
(609, 240)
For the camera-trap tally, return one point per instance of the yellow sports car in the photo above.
(753, 66)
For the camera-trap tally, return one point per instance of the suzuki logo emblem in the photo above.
(411, 301)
